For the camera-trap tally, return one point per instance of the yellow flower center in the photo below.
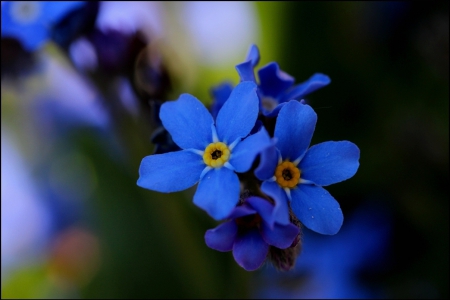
(25, 12)
(216, 154)
(287, 174)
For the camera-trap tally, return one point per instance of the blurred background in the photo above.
(81, 86)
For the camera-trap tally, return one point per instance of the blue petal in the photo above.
(222, 237)
(268, 162)
(218, 192)
(314, 83)
(31, 38)
(253, 55)
(280, 236)
(220, 94)
(294, 129)
(55, 11)
(330, 162)
(170, 172)
(241, 211)
(188, 121)
(250, 250)
(264, 209)
(245, 152)
(245, 71)
(273, 81)
(238, 115)
(316, 209)
(281, 209)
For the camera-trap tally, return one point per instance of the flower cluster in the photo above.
(251, 159)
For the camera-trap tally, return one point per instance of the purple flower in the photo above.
(249, 233)
(276, 87)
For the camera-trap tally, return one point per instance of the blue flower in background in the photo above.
(293, 173)
(212, 152)
(276, 87)
(330, 267)
(249, 233)
(31, 21)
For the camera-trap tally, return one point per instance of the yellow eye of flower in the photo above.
(25, 12)
(216, 154)
(287, 174)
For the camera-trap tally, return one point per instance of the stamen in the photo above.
(287, 175)
(216, 155)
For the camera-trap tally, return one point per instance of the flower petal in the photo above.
(238, 115)
(250, 250)
(263, 207)
(241, 211)
(188, 121)
(222, 237)
(245, 71)
(54, 12)
(281, 209)
(253, 55)
(273, 81)
(170, 172)
(314, 83)
(294, 129)
(330, 162)
(245, 152)
(316, 209)
(220, 94)
(218, 192)
(268, 162)
(280, 236)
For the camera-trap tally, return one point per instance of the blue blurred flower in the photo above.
(31, 21)
(212, 152)
(275, 86)
(249, 232)
(330, 267)
(293, 173)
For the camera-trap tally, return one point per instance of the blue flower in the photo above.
(249, 232)
(293, 173)
(331, 267)
(31, 21)
(275, 86)
(211, 151)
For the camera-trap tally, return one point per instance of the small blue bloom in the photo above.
(293, 173)
(31, 21)
(211, 151)
(249, 232)
(275, 86)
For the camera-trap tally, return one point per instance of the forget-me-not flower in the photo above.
(249, 232)
(293, 173)
(211, 151)
(30, 21)
(276, 87)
